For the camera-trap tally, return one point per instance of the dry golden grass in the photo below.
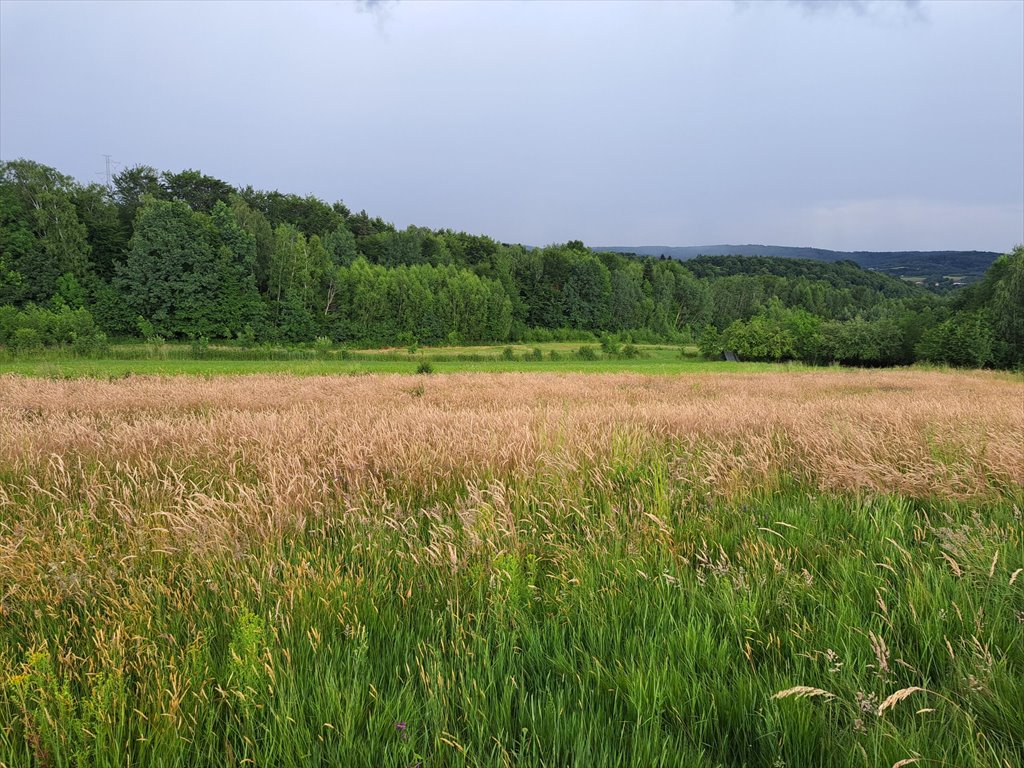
(220, 461)
(297, 441)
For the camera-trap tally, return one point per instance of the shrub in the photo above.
(199, 347)
(8, 323)
(508, 354)
(586, 353)
(573, 334)
(91, 344)
(710, 343)
(147, 330)
(26, 339)
(322, 345)
(964, 341)
(68, 324)
(857, 342)
(246, 337)
(34, 327)
(643, 336)
(610, 344)
(425, 368)
(759, 339)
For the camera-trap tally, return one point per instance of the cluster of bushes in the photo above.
(776, 334)
(965, 340)
(611, 348)
(547, 335)
(962, 339)
(535, 355)
(33, 327)
(634, 336)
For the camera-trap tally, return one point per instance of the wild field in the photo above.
(546, 357)
(811, 568)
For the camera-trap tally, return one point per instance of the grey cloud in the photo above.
(380, 10)
(611, 122)
(377, 7)
(912, 9)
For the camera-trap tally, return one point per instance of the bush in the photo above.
(630, 352)
(759, 339)
(425, 368)
(965, 341)
(322, 345)
(586, 353)
(573, 334)
(610, 344)
(91, 344)
(26, 340)
(545, 335)
(537, 354)
(34, 327)
(508, 354)
(199, 347)
(247, 337)
(147, 330)
(710, 343)
(858, 342)
(65, 324)
(39, 319)
(643, 336)
(8, 323)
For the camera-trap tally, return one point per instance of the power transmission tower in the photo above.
(109, 164)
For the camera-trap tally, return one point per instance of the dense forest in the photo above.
(188, 256)
(939, 271)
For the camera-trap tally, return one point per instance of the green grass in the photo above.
(139, 359)
(584, 637)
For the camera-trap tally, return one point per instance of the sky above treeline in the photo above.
(852, 125)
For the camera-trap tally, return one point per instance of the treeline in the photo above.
(185, 255)
(980, 326)
(937, 271)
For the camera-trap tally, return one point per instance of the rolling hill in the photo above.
(934, 269)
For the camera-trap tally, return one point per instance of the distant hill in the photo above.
(935, 269)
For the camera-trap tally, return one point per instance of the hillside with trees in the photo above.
(939, 271)
(188, 256)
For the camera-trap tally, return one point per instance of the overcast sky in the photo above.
(846, 125)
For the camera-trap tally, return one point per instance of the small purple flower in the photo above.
(401, 727)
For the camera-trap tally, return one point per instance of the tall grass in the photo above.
(203, 359)
(804, 569)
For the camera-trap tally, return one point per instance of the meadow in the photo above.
(762, 567)
(181, 358)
